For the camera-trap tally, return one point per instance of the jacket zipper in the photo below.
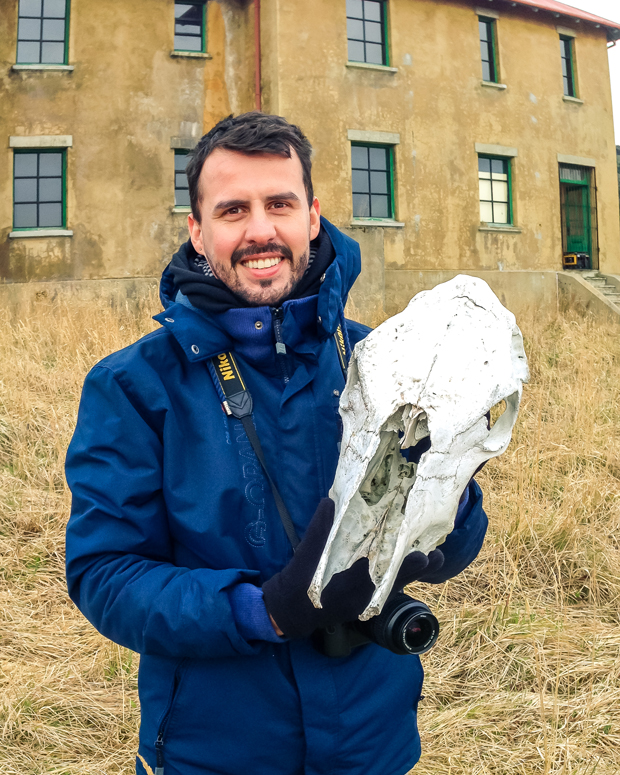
(159, 743)
(277, 314)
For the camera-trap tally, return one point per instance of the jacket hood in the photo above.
(334, 291)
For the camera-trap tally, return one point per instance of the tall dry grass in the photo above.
(526, 675)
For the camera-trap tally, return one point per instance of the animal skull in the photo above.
(435, 369)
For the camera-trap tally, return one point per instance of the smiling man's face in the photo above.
(255, 223)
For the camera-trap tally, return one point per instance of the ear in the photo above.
(315, 218)
(195, 234)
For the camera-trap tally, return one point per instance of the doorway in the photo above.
(578, 205)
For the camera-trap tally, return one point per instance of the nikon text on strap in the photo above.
(237, 402)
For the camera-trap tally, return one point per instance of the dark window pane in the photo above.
(54, 9)
(50, 215)
(50, 164)
(50, 190)
(180, 161)
(359, 157)
(486, 71)
(354, 8)
(361, 206)
(30, 7)
(29, 29)
(187, 11)
(379, 207)
(373, 32)
(186, 43)
(25, 165)
(52, 53)
(25, 190)
(498, 166)
(359, 182)
(356, 51)
(28, 53)
(484, 165)
(378, 158)
(374, 53)
(355, 29)
(25, 216)
(378, 183)
(54, 29)
(180, 180)
(181, 198)
(372, 10)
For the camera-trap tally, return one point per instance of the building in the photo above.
(450, 135)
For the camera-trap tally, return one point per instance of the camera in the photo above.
(404, 626)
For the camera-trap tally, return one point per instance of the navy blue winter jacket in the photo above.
(171, 510)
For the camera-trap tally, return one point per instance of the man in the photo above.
(175, 546)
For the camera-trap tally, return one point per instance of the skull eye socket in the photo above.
(496, 412)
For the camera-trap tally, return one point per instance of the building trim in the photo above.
(496, 150)
(29, 233)
(41, 141)
(493, 85)
(380, 222)
(488, 12)
(567, 32)
(370, 66)
(505, 229)
(383, 138)
(181, 209)
(191, 54)
(575, 100)
(579, 161)
(68, 68)
(183, 143)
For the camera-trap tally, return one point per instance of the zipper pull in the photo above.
(278, 316)
(159, 754)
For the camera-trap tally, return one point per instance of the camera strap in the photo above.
(237, 402)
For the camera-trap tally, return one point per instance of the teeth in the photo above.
(262, 263)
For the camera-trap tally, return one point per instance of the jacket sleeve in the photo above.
(119, 551)
(463, 544)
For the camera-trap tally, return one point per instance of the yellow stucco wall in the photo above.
(436, 103)
(123, 102)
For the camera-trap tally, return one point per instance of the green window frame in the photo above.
(372, 181)
(181, 186)
(39, 189)
(190, 27)
(487, 31)
(567, 51)
(43, 32)
(367, 32)
(495, 190)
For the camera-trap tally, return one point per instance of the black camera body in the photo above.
(404, 626)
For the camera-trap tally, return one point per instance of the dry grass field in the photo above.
(526, 675)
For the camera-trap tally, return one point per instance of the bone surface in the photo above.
(435, 369)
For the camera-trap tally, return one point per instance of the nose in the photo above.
(259, 227)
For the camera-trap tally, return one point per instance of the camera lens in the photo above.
(419, 633)
(405, 626)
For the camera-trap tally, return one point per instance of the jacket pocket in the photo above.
(165, 718)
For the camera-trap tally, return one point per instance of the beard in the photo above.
(268, 292)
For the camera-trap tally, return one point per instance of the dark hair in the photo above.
(250, 133)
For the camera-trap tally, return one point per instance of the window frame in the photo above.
(185, 153)
(494, 62)
(390, 175)
(203, 31)
(508, 160)
(385, 48)
(63, 153)
(65, 60)
(569, 41)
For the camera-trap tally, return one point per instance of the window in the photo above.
(372, 181)
(568, 73)
(366, 31)
(488, 49)
(494, 182)
(38, 189)
(42, 32)
(181, 188)
(189, 26)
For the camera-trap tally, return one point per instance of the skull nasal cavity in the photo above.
(496, 412)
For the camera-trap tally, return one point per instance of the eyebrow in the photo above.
(228, 203)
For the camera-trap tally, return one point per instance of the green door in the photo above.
(577, 213)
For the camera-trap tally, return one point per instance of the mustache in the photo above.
(270, 247)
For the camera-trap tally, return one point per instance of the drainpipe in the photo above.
(257, 56)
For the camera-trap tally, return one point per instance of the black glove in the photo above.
(343, 599)
(347, 594)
